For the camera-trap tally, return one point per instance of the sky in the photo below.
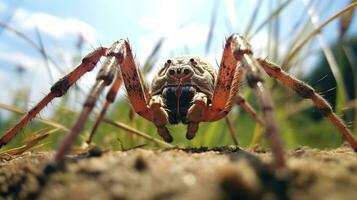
(183, 24)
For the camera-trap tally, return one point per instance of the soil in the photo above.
(198, 173)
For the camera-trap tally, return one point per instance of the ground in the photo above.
(199, 173)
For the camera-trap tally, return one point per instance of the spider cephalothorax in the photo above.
(179, 80)
(186, 89)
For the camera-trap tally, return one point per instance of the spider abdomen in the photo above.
(177, 101)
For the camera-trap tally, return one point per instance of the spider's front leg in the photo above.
(226, 86)
(243, 52)
(138, 94)
(160, 117)
(104, 78)
(151, 108)
(238, 57)
(195, 114)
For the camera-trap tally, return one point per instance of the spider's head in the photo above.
(179, 80)
(179, 71)
(185, 71)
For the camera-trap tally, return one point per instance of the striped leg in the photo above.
(109, 100)
(307, 91)
(57, 90)
(238, 58)
(138, 94)
(243, 54)
(119, 54)
(104, 78)
(226, 86)
(248, 108)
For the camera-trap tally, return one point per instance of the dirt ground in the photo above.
(220, 173)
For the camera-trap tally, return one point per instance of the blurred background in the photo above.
(41, 41)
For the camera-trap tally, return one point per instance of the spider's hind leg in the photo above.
(307, 91)
(57, 90)
(109, 100)
(104, 78)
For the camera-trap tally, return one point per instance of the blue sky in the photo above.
(183, 23)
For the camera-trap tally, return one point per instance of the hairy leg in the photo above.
(244, 53)
(248, 108)
(137, 91)
(104, 78)
(307, 91)
(119, 54)
(57, 90)
(223, 83)
(136, 88)
(237, 78)
(109, 100)
(226, 86)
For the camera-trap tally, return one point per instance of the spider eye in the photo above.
(186, 71)
(193, 62)
(168, 61)
(171, 72)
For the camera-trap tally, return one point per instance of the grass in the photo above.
(124, 129)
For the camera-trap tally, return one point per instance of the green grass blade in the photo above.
(136, 132)
(351, 57)
(152, 58)
(44, 55)
(30, 142)
(345, 22)
(272, 15)
(341, 93)
(231, 131)
(211, 27)
(303, 42)
(253, 18)
(43, 121)
(29, 41)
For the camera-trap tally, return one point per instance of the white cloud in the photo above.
(52, 25)
(166, 22)
(191, 35)
(35, 70)
(19, 58)
(36, 76)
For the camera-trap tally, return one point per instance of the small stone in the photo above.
(140, 164)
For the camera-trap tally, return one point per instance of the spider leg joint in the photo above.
(118, 50)
(240, 46)
(90, 60)
(106, 73)
(253, 77)
(60, 87)
(304, 90)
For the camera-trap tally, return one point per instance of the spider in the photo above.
(186, 89)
